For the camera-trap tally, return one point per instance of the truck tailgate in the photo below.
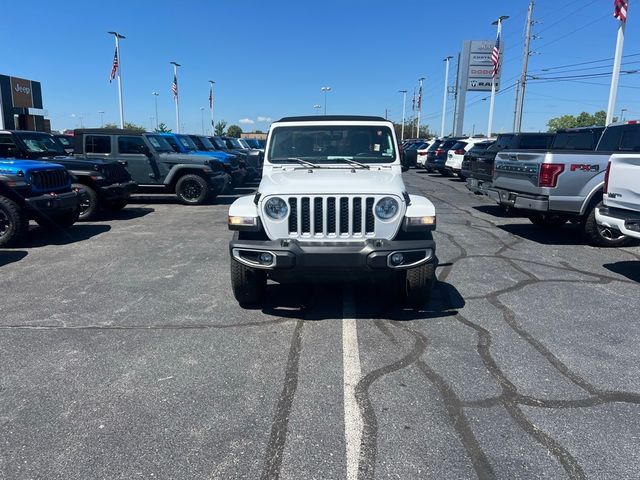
(624, 182)
(518, 171)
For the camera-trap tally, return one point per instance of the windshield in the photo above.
(478, 147)
(236, 143)
(244, 143)
(159, 143)
(65, 141)
(187, 143)
(502, 142)
(252, 142)
(173, 143)
(42, 143)
(325, 144)
(219, 143)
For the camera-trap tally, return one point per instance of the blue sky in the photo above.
(270, 58)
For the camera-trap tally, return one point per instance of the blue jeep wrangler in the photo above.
(34, 190)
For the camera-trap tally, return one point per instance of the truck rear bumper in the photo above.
(519, 200)
(53, 203)
(478, 186)
(293, 259)
(625, 221)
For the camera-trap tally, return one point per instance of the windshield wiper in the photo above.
(353, 163)
(306, 163)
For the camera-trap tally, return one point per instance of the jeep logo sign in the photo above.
(21, 92)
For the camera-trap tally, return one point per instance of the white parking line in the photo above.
(352, 374)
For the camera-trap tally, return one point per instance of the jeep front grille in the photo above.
(331, 216)
(49, 180)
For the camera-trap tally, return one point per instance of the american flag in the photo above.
(420, 98)
(620, 9)
(174, 87)
(114, 67)
(413, 101)
(211, 96)
(495, 56)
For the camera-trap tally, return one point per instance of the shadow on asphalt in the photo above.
(317, 302)
(498, 211)
(629, 269)
(565, 235)
(128, 213)
(11, 256)
(42, 237)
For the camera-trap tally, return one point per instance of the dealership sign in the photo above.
(477, 65)
(21, 92)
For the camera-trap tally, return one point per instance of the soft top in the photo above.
(107, 131)
(333, 118)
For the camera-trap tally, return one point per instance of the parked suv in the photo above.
(34, 190)
(437, 154)
(332, 206)
(471, 157)
(106, 184)
(456, 154)
(153, 164)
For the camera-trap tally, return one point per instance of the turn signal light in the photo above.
(247, 221)
(549, 173)
(426, 220)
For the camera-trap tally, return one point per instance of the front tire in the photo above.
(599, 235)
(89, 206)
(248, 284)
(13, 223)
(416, 285)
(192, 189)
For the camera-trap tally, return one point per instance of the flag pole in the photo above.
(176, 95)
(495, 75)
(615, 77)
(213, 126)
(421, 79)
(118, 37)
(444, 99)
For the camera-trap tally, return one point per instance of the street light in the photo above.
(155, 95)
(317, 107)
(622, 110)
(325, 90)
(202, 119)
(444, 99)
(117, 38)
(404, 102)
(101, 113)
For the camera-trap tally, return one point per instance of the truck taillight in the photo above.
(460, 151)
(439, 152)
(606, 177)
(549, 173)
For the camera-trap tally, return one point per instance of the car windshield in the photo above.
(236, 143)
(244, 143)
(502, 142)
(187, 143)
(41, 143)
(252, 142)
(159, 143)
(478, 147)
(327, 144)
(219, 143)
(458, 146)
(66, 141)
(206, 143)
(434, 146)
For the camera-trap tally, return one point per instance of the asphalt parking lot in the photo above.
(124, 355)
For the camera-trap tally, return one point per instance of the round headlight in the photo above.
(386, 208)
(276, 208)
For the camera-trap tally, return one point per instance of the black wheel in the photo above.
(548, 220)
(13, 223)
(599, 235)
(192, 189)
(248, 284)
(115, 205)
(416, 285)
(64, 220)
(90, 203)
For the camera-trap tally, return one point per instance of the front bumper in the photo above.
(519, 200)
(626, 222)
(53, 203)
(359, 258)
(218, 183)
(118, 191)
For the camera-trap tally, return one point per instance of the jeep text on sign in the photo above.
(21, 92)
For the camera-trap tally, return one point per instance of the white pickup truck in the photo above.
(621, 205)
(332, 206)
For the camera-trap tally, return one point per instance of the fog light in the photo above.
(397, 258)
(266, 258)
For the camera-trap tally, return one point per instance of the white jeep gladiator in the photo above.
(332, 206)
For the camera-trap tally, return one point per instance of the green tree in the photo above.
(234, 131)
(219, 128)
(127, 126)
(584, 119)
(559, 123)
(258, 131)
(600, 118)
(162, 128)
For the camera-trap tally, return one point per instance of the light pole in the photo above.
(444, 99)
(174, 88)
(497, 51)
(155, 97)
(117, 37)
(622, 110)
(317, 108)
(202, 119)
(211, 83)
(325, 90)
(404, 103)
(101, 113)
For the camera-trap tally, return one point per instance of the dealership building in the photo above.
(21, 105)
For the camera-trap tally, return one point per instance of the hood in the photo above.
(176, 158)
(302, 181)
(12, 165)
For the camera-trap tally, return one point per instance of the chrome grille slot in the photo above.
(344, 215)
(305, 216)
(357, 215)
(331, 216)
(318, 216)
(370, 222)
(293, 215)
